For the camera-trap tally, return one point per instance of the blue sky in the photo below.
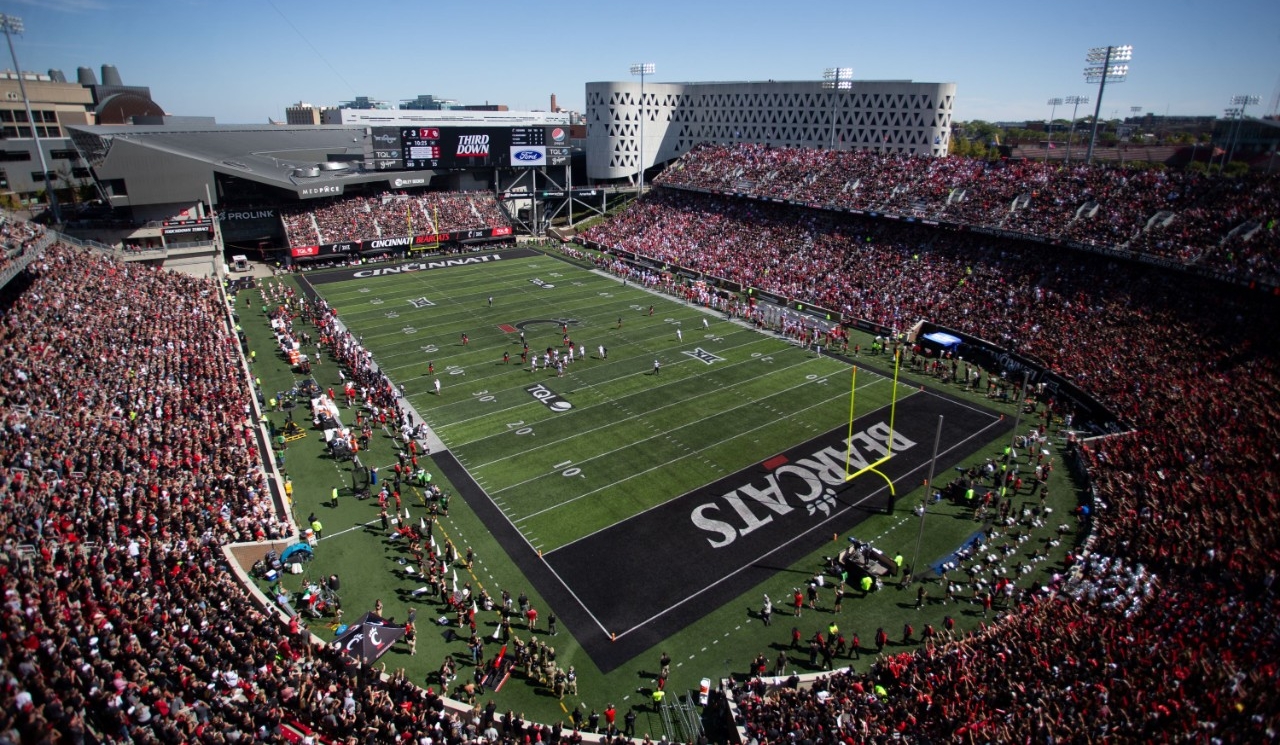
(246, 60)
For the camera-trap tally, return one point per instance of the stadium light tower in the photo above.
(1054, 103)
(836, 79)
(1243, 101)
(1229, 115)
(924, 504)
(13, 25)
(642, 69)
(1103, 69)
(1075, 102)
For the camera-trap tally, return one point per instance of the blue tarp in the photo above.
(296, 552)
(944, 340)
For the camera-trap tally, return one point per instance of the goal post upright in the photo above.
(874, 467)
(848, 455)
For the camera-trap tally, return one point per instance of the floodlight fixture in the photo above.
(1111, 73)
(1110, 54)
(1075, 102)
(840, 78)
(1241, 102)
(13, 25)
(642, 69)
(1102, 70)
(836, 79)
(1055, 103)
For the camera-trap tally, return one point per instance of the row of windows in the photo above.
(18, 155)
(16, 132)
(77, 172)
(9, 116)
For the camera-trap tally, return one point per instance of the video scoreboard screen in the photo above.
(461, 148)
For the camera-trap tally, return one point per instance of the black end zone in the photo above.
(648, 577)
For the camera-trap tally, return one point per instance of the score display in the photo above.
(461, 148)
(420, 147)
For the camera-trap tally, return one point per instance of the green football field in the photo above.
(609, 457)
(628, 438)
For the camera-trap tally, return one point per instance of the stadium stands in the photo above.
(126, 462)
(1045, 201)
(390, 215)
(1134, 642)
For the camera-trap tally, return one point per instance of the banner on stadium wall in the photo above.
(1091, 413)
(204, 229)
(683, 272)
(767, 297)
(816, 311)
(247, 214)
(869, 327)
(385, 244)
(430, 240)
(378, 245)
(325, 250)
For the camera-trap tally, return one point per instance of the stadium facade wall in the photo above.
(155, 177)
(898, 116)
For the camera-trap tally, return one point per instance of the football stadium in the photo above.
(794, 444)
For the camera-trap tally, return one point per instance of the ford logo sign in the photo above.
(528, 156)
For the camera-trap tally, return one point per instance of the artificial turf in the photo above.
(633, 441)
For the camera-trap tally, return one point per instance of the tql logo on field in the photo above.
(549, 398)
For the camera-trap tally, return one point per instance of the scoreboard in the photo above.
(461, 148)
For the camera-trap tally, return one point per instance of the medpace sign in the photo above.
(328, 190)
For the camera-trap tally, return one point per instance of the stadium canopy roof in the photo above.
(311, 161)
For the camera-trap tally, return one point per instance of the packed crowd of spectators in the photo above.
(127, 460)
(1048, 201)
(1187, 499)
(390, 215)
(16, 237)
